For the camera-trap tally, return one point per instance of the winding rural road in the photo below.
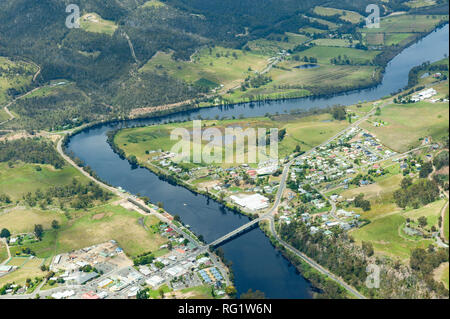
(11, 115)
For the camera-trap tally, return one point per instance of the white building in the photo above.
(154, 281)
(252, 202)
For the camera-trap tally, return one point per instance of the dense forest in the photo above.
(32, 150)
(106, 67)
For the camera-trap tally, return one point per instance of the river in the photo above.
(255, 263)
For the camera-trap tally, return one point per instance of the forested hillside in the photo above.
(103, 58)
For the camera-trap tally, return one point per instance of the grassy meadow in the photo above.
(220, 66)
(80, 229)
(402, 118)
(346, 15)
(92, 22)
(29, 268)
(306, 132)
(14, 75)
(23, 178)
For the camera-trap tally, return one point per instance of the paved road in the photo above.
(270, 214)
(272, 211)
(11, 116)
(313, 264)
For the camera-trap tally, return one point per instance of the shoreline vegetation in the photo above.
(381, 60)
(314, 277)
(322, 286)
(212, 98)
(182, 108)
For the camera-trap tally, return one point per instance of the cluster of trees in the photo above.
(5, 199)
(327, 251)
(342, 60)
(362, 203)
(144, 259)
(255, 81)
(339, 112)
(425, 262)
(441, 160)
(413, 76)
(300, 48)
(79, 195)
(31, 150)
(250, 294)
(66, 107)
(89, 268)
(426, 169)
(305, 58)
(416, 194)
(5, 233)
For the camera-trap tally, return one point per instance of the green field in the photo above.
(3, 115)
(202, 292)
(431, 212)
(30, 268)
(407, 24)
(24, 178)
(332, 42)
(446, 224)
(92, 22)
(324, 54)
(3, 252)
(153, 4)
(275, 43)
(346, 15)
(403, 129)
(78, 229)
(226, 69)
(311, 30)
(219, 65)
(387, 237)
(22, 219)
(50, 90)
(420, 3)
(14, 75)
(110, 222)
(306, 132)
(387, 220)
(84, 229)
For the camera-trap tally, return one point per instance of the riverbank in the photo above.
(381, 61)
(205, 216)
